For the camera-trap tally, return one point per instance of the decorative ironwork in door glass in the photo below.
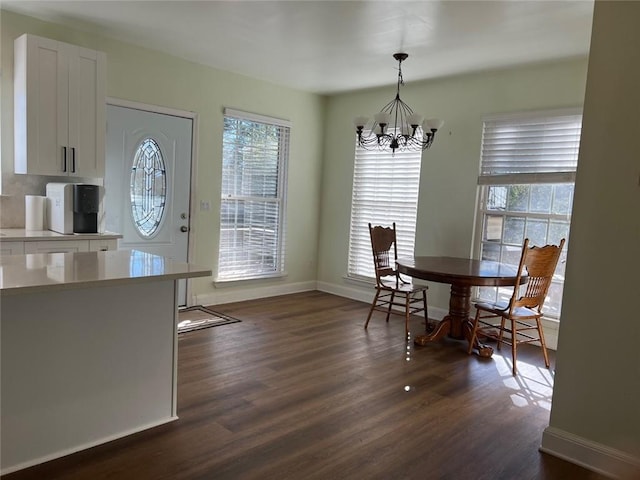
(148, 188)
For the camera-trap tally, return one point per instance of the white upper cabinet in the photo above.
(59, 108)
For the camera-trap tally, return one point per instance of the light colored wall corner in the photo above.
(597, 382)
(591, 455)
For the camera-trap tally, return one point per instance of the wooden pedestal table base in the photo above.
(461, 274)
(457, 323)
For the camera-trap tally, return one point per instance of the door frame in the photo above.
(193, 116)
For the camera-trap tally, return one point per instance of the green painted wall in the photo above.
(151, 77)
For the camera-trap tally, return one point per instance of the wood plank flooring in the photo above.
(299, 390)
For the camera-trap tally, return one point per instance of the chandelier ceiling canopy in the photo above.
(396, 126)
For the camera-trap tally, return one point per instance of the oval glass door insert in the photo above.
(148, 188)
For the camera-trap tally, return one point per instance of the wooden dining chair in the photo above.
(522, 311)
(390, 286)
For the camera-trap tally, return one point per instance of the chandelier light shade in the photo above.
(396, 126)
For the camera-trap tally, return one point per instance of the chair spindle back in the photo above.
(539, 264)
(383, 239)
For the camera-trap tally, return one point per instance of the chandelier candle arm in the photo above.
(396, 126)
(434, 124)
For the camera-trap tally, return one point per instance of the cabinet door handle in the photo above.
(64, 159)
(73, 159)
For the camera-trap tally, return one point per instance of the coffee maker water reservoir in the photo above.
(86, 206)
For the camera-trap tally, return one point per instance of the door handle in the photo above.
(64, 159)
(184, 229)
(73, 159)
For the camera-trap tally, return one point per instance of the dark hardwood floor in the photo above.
(299, 390)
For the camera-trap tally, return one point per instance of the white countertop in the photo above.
(40, 272)
(22, 235)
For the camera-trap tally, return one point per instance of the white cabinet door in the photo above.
(40, 106)
(87, 103)
(58, 246)
(59, 108)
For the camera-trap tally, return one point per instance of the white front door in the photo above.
(147, 182)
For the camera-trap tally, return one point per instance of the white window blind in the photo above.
(540, 147)
(254, 161)
(527, 175)
(385, 190)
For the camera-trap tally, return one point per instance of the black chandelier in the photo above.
(396, 126)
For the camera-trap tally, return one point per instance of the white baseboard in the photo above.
(362, 294)
(588, 454)
(366, 295)
(224, 295)
(64, 453)
(354, 293)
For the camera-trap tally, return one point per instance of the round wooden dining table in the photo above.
(462, 274)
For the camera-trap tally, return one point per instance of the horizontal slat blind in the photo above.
(254, 160)
(527, 172)
(385, 190)
(542, 144)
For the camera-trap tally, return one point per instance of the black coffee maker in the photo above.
(86, 205)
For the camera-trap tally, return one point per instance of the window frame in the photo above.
(280, 198)
(550, 178)
(359, 254)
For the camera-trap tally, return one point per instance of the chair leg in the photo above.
(474, 332)
(393, 296)
(514, 344)
(543, 344)
(500, 335)
(426, 313)
(373, 305)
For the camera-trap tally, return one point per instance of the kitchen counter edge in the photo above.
(22, 235)
(45, 272)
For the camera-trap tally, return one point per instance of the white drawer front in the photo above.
(11, 248)
(102, 245)
(59, 246)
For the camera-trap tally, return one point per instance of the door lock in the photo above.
(184, 229)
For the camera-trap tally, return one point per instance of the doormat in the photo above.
(199, 317)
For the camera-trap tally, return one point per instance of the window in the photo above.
(148, 188)
(385, 190)
(255, 150)
(527, 175)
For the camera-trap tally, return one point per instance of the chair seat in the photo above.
(503, 309)
(524, 309)
(402, 287)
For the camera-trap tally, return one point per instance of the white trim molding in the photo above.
(360, 291)
(366, 296)
(229, 295)
(588, 454)
(85, 446)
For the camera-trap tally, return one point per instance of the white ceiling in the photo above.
(332, 46)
